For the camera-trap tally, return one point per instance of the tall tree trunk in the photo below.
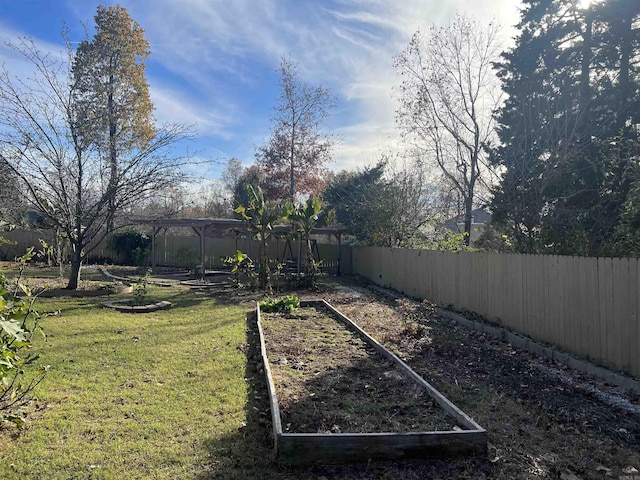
(468, 219)
(76, 261)
(264, 264)
(626, 51)
(292, 157)
(469, 195)
(113, 156)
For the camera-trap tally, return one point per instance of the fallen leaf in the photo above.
(603, 469)
(569, 476)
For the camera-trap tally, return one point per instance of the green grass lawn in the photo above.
(157, 395)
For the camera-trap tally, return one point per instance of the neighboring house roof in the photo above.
(480, 217)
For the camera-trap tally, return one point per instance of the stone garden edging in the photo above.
(123, 306)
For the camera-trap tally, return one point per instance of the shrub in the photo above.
(240, 263)
(140, 289)
(19, 374)
(132, 246)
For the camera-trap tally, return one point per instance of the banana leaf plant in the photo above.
(305, 218)
(260, 219)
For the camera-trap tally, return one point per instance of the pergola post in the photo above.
(155, 232)
(339, 235)
(202, 250)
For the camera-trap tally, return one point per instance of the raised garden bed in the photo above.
(337, 395)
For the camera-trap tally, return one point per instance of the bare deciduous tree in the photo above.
(297, 151)
(448, 94)
(62, 171)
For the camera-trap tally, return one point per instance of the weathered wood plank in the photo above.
(632, 319)
(273, 399)
(618, 290)
(305, 449)
(605, 295)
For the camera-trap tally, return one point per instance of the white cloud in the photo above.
(174, 106)
(347, 45)
(214, 55)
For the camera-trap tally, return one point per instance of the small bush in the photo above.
(19, 374)
(140, 289)
(240, 263)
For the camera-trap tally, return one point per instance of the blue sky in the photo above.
(214, 62)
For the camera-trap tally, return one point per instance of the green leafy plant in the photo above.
(286, 304)
(19, 321)
(46, 252)
(449, 241)
(241, 264)
(260, 219)
(305, 218)
(140, 289)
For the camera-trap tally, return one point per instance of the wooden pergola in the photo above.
(202, 226)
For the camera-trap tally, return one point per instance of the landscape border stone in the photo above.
(121, 306)
(128, 280)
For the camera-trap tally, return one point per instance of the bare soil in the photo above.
(543, 419)
(328, 380)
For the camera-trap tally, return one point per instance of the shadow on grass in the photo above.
(248, 452)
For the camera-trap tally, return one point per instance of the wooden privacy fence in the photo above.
(184, 250)
(586, 306)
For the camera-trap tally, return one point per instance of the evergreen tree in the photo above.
(358, 199)
(572, 84)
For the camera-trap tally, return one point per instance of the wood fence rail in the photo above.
(586, 306)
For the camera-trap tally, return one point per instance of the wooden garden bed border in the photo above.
(312, 448)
